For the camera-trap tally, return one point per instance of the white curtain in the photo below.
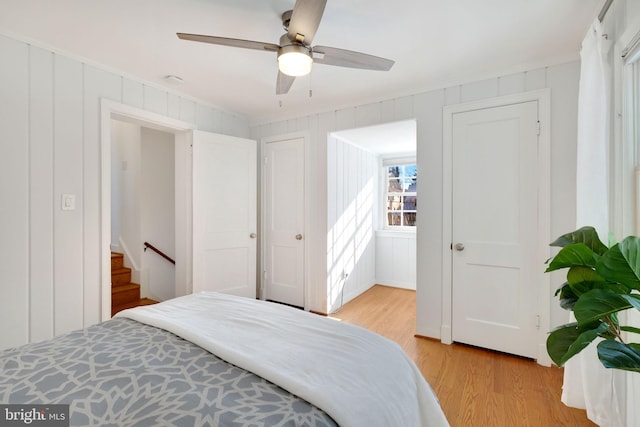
(587, 384)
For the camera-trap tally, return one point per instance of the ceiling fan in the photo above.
(295, 53)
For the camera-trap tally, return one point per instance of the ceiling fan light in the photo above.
(294, 60)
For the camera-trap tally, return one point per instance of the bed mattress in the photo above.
(125, 373)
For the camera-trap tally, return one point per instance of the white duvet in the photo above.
(357, 377)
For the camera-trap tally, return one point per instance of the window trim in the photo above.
(384, 194)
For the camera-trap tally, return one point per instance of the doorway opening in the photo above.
(372, 208)
(118, 119)
(142, 214)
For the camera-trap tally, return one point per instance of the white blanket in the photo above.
(356, 376)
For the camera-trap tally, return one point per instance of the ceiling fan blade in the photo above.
(247, 44)
(283, 83)
(349, 58)
(305, 19)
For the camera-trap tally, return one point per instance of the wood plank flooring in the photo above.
(476, 387)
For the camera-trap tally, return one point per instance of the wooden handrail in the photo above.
(148, 245)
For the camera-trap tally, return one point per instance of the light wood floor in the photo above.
(476, 387)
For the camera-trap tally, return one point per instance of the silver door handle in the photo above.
(298, 236)
(459, 247)
(253, 235)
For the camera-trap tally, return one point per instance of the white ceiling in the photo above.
(388, 139)
(434, 43)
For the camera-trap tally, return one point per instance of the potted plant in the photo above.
(601, 282)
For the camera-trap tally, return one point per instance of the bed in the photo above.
(218, 360)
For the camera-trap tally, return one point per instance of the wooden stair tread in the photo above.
(124, 294)
(124, 287)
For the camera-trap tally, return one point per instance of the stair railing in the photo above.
(148, 245)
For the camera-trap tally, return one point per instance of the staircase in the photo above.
(124, 294)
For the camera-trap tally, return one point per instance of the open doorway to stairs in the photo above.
(372, 208)
(142, 215)
(155, 144)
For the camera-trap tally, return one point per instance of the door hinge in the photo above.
(537, 321)
(538, 127)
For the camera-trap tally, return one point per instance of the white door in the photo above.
(494, 228)
(224, 214)
(284, 221)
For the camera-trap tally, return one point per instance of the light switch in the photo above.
(68, 202)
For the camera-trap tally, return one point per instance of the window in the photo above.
(401, 195)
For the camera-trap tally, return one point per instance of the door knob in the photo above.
(459, 247)
(253, 235)
(298, 236)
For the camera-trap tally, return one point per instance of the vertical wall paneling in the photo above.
(535, 79)
(319, 273)
(513, 83)
(204, 119)
(332, 209)
(14, 185)
(426, 108)
(68, 179)
(368, 115)
(218, 120)
(240, 127)
(345, 119)
(173, 106)
(225, 122)
(50, 140)
(563, 146)
(40, 193)
(155, 100)
(351, 187)
(479, 90)
(395, 259)
(132, 93)
(315, 248)
(452, 95)
(386, 111)
(403, 108)
(187, 110)
(97, 84)
(428, 111)
(279, 128)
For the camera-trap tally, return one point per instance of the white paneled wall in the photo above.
(49, 146)
(426, 109)
(396, 259)
(352, 215)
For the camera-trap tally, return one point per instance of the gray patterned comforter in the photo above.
(124, 373)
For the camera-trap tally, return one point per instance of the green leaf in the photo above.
(586, 235)
(568, 298)
(614, 267)
(614, 354)
(630, 249)
(578, 273)
(568, 340)
(597, 304)
(577, 254)
(583, 279)
(630, 329)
